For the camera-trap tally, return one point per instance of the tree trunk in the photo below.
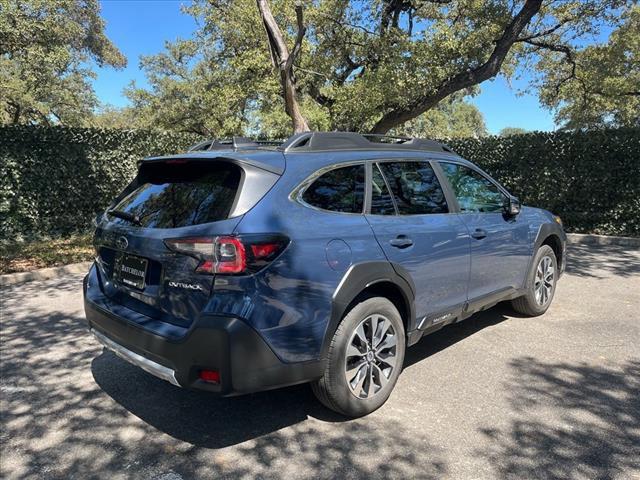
(17, 110)
(283, 61)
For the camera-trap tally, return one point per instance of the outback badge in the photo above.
(189, 286)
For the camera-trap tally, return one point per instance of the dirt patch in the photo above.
(27, 256)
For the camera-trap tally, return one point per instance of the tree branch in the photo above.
(465, 79)
(283, 60)
(568, 53)
(299, 37)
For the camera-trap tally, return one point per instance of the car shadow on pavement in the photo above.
(452, 334)
(201, 418)
(569, 420)
(270, 431)
(205, 420)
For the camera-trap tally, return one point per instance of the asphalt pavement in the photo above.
(495, 397)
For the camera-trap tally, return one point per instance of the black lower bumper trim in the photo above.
(245, 362)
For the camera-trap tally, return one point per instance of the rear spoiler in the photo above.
(270, 160)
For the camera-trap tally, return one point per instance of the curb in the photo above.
(603, 240)
(43, 273)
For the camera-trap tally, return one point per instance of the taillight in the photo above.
(232, 255)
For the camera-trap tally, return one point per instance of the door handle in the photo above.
(479, 234)
(401, 241)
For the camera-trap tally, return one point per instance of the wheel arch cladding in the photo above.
(556, 245)
(371, 279)
(549, 234)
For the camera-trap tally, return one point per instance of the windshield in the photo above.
(179, 194)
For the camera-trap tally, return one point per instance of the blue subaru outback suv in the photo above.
(246, 266)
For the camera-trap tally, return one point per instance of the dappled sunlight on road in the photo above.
(594, 428)
(70, 408)
(497, 396)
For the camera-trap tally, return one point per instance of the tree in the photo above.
(362, 66)
(108, 116)
(451, 118)
(509, 131)
(45, 47)
(212, 84)
(598, 85)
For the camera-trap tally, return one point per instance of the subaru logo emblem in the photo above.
(122, 243)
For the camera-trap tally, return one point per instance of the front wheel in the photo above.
(364, 359)
(541, 284)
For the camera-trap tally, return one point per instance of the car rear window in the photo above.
(181, 193)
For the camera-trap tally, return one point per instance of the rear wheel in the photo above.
(364, 359)
(541, 284)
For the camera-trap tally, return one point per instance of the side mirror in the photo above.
(512, 206)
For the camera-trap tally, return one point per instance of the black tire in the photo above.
(333, 389)
(530, 303)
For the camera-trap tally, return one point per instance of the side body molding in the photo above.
(360, 276)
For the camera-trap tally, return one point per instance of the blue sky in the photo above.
(141, 27)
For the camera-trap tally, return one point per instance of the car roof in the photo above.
(314, 149)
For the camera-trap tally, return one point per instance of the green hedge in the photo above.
(591, 179)
(54, 180)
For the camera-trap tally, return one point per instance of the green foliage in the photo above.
(361, 62)
(509, 131)
(45, 49)
(598, 85)
(591, 179)
(110, 117)
(452, 118)
(53, 180)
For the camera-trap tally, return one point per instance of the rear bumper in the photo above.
(226, 344)
(150, 366)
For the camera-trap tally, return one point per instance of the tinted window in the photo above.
(339, 190)
(381, 202)
(182, 194)
(474, 192)
(415, 187)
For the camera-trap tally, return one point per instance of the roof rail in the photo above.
(319, 141)
(234, 143)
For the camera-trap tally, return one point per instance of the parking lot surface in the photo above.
(497, 396)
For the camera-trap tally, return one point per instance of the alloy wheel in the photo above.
(543, 283)
(371, 356)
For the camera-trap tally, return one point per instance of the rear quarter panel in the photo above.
(289, 303)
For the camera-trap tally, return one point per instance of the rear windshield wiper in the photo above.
(125, 216)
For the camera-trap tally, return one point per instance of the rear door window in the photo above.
(181, 194)
(415, 187)
(381, 201)
(338, 190)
